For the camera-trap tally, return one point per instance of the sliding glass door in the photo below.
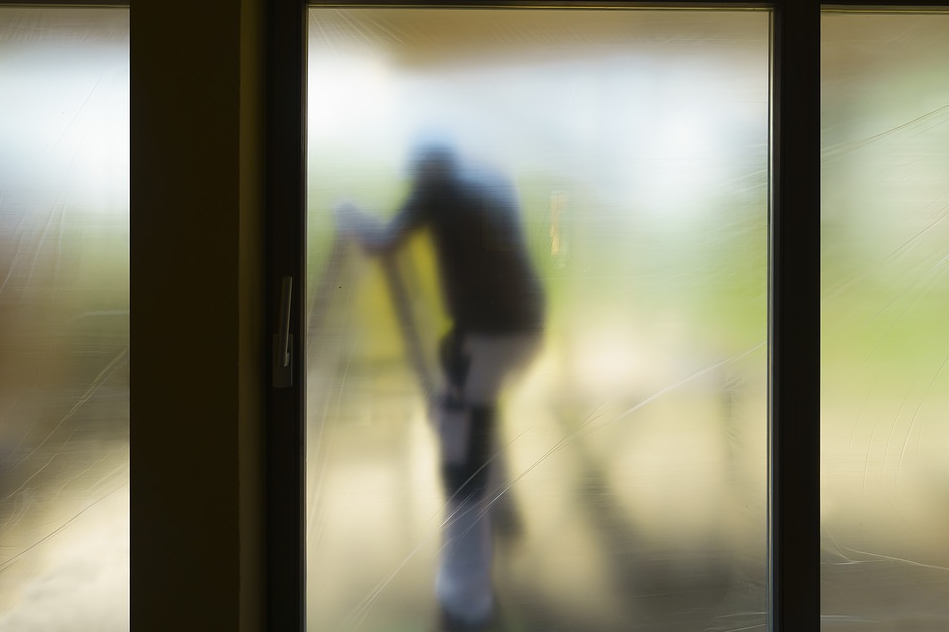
(628, 474)
(885, 343)
(64, 319)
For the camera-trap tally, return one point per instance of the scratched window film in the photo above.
(627, 480)
(885, 294)
(63, 319)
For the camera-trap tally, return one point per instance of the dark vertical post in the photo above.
(286, 181)
(794, 464)
(196, 264)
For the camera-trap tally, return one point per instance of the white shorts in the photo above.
(495, 359)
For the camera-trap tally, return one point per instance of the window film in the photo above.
(576, 198)
(885, 344)
(63, 319)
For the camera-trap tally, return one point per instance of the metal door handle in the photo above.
(283, 339)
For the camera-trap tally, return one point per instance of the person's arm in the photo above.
(374, 235)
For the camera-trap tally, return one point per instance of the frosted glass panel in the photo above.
(599, 177)
(885, 292)
(63, 319)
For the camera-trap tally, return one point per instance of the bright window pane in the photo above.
(63, 319)
(633, 485)
(885, 297)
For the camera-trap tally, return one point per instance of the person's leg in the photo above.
(475, 367)
(463, 584)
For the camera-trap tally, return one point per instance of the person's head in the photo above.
(433, 161)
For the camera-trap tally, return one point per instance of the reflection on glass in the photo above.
(885, 290)
(618, 159)
(63, 319)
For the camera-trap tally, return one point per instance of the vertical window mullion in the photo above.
(794, 463)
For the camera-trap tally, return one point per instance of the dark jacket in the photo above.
(488, 280)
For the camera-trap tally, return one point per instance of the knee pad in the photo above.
(466, 439)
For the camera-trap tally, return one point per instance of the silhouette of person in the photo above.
(495, 300)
